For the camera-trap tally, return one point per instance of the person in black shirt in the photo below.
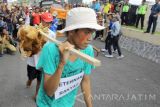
(155, 11)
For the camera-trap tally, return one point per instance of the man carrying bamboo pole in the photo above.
(64, 72)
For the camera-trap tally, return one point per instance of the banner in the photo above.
(68, 84)
(135, 2)
(62, 13)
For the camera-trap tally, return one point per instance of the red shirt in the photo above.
(112, 8)
(36, 18)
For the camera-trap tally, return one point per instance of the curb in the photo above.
(141, 48)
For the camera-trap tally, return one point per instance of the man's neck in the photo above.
(71, 42)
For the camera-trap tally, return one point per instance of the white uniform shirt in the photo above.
(32, 61)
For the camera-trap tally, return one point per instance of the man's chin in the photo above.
(83, 47)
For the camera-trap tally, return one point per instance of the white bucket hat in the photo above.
(81, 17)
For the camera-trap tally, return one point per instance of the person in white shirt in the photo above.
(33, 73)
(30, 46)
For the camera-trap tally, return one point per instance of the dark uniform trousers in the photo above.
(140, 16)
(152, 20)
(124, 18)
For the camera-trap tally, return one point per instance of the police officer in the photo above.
(155, 11)
(142, 9)
(124, 15)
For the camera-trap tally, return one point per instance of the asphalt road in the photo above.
(130, 82)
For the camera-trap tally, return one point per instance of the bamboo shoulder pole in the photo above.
(83, 56)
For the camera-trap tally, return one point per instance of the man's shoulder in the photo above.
(158, 6)
(49, 46)
(88, 49)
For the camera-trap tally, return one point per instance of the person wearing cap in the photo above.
(46, 21)
(20, 23)
(63, 73)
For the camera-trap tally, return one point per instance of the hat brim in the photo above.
(79, 26)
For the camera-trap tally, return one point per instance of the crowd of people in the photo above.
(130, 14)
(127, 14)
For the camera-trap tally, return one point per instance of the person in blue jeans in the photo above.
(64, 73)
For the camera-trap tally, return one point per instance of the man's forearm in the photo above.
(86, 89)
(157, 14)
(52, 83)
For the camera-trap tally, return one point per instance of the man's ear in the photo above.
(71, 33)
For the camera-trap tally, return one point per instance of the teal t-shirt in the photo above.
(48, 62)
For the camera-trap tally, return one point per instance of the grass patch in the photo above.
(158, 33)
(139, 29)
